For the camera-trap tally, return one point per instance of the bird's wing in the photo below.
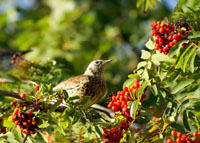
(72, 83)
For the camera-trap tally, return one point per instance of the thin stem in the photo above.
(24, 140)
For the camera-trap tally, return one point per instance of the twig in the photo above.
(10, 94)
(61, 107)
(24, 140)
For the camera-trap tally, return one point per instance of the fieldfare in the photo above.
(92, 83)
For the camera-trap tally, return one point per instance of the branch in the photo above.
(62, 107)
(10, 94)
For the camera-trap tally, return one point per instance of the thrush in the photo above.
(9, 57)
(92, 83)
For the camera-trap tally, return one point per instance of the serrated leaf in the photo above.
(150, 44)
(187, 58)
(98, 131)
(141, 64)
(134, 108)
(145, 54)
(175, 50)
(185, 120)
(192, 62)
(181, 85)
(179, 60)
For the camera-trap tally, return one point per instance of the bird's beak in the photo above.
(107, 61)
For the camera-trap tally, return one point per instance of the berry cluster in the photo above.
(3, 129)
(120, 101)
(16, 57)
(168, 34)
(114, 135)
(25, 118)
(183, 138)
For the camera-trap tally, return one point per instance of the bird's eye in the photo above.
(97, 62)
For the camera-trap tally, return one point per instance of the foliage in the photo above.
(171, 82)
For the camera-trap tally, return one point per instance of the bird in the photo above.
(92, 83)
(8, 58)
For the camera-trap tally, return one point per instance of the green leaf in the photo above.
(175, 50)
(18, 135)
(197, 93)
(139, 2)
(154, 89)
(141, 64)
(128, 83)
(134, 108)
(145, 54)
(188, 57)
(44, 124)
(9, 76)
(74, 97)
(85, 100)
(98, 130)
(160, 57)
(179, 60)
(68, 111)
(145, 74)
(145, 5)
(150, 44)
(76, 117)
(152, 2)
(133, 76)
(194, 35)
(181, 85)
(9, 123)
(192, 62)
(185, 120)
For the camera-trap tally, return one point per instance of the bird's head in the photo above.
(96, 68)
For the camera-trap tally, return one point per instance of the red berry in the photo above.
(23, 96)
(178, 140)
(32, 131)
(173, 133)
(169, 141)
(179, 135)
(34, 122)
(21, 130)
(12, 62)
(29, 113)
(13, 103)
(37, 88)
(19, 105)
(15, 112)
(195, 134)
(25, 123)
(27, 131)
(14, 118)
(1, 120)
(3, 130)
